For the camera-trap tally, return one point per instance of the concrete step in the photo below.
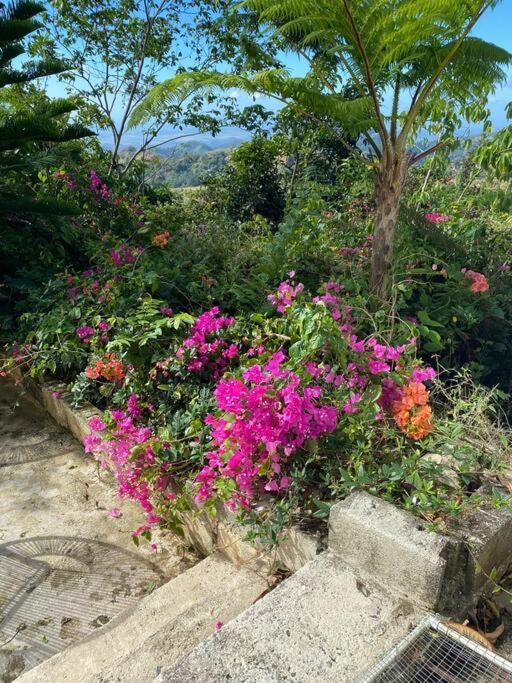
(338, 615)
(321, 624)
(164, 626)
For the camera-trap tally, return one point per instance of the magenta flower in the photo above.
(423, 374)
(435, 217)
(85, 332)
(97, 424)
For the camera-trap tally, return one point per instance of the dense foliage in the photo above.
(229, 335)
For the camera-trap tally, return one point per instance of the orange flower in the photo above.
(411, 412)
(109, 367)
(161, 239)
(417, 392)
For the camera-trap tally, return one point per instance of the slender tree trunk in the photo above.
(389, 184)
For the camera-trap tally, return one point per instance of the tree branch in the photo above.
(427, 152)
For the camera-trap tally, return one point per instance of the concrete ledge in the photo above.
(203, 532)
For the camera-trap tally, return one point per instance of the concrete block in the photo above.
(486, 534)
(321, 624)
(379, 540)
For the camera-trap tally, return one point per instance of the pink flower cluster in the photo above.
(97, 186)
(125, 254)
(85, 333)
(372, 360)
(128, 449)
(204, 349)
(66, 178)
(478, 280)
(263, 420)
(286, 293)
(435, 217)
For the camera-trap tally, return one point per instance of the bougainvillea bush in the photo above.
(269, 386)
(290, 407)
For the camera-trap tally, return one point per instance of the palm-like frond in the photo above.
(17, 20)
(408, 44)
(23, 137)
(355, 115)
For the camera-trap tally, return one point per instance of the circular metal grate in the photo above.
(27, 435)
(56, 590)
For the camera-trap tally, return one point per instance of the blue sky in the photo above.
(495, 26)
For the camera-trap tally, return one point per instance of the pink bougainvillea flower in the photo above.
(286, 293)
(376, 366)
(115, 512)
(205, 348)
(166, 310)
(351, 405)
(423, 374)
(85, 332)
(218, 625)
(435, 217)
(97, 424)
(56, 394)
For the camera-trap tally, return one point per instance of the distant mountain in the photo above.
(200, 146)
(184, 148)
(187, 163)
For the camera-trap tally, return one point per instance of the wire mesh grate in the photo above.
(434, 653)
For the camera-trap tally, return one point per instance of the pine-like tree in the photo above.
(28, 136)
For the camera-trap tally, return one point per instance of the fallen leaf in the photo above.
(469, 633)
(494, 635)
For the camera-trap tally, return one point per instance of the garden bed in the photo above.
(204, 533)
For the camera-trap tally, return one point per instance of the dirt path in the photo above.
(66, 566)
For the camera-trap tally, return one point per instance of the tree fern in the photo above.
(421, 49)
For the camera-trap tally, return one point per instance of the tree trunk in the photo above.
(389, 184)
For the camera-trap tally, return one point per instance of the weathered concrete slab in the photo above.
(487, 536)
(159, 630)
(379, 540)
(321, 624)
(27, 440)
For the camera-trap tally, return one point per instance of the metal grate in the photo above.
(434, 653)
(61, 589)
(27, 434)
